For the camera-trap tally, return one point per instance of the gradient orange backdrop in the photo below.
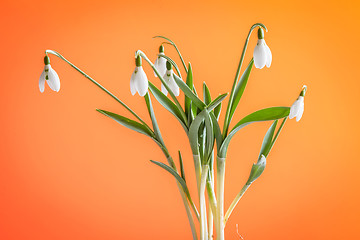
(67, 172)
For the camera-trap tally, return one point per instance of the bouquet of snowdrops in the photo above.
(199, 119)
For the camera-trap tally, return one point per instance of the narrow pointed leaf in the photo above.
(256, 170)
(240, 87)
(266, 114)
(217, 111)
(206, 94)
(181, 167)
(126, 122)
(266, 144)
(172, 63)
(168, 104)
(189, 93)
(153, 118)
(176, 175)
(216, 101)
(189, 83)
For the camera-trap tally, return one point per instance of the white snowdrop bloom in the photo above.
(297, 109)
(160, 64)
(169, 79)
(139, 82)
(262, 54)
(50, 76)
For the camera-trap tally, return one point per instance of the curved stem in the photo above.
(177, 50)
(97, 84)
(235, 201)
(227, 120)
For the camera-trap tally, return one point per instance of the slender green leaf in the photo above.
(217, 111)
(189, 93)
(240, 87)
(206, 94)
(126, 122)
(189, 82)
(216, 101)
(266, 144)
(168, 104)
(153, 118)
(172, 63)
(176, 175)
(217, 131)
(266, 114)
(257, 169)
(181, 167)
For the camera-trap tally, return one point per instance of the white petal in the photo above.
(141, 82)
(301, 108)
(163, 89)
(268, 56)
(53, 80)
(156, 65)
(294, 109)
(42, 81)
(260, 54)
(162, 66)
(166, 79)
(132, 83)
(173, 86)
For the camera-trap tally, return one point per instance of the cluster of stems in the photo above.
(199, 118)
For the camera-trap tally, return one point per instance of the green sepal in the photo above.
(168, 104)
(267, 142)
(189, 93)
(126, 122)
(257, 169)
(266, 114)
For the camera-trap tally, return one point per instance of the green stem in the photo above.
(235, 201)
(97, 84)
(220, 198)
(277, 133)
(177, 50)
(203, 222)
(227, 119)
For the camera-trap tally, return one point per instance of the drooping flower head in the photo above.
(138, 81)
(50, 76)
(297, 109)
(262, 54)
(160, 62)
(169, 79)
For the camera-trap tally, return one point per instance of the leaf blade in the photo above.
(126, 122)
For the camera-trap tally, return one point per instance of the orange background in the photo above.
(67, 172)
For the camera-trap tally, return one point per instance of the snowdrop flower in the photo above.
(139, 82)
(297, 109)
(50, 76)
(160, 62)
(169, 79)
(262, 54)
